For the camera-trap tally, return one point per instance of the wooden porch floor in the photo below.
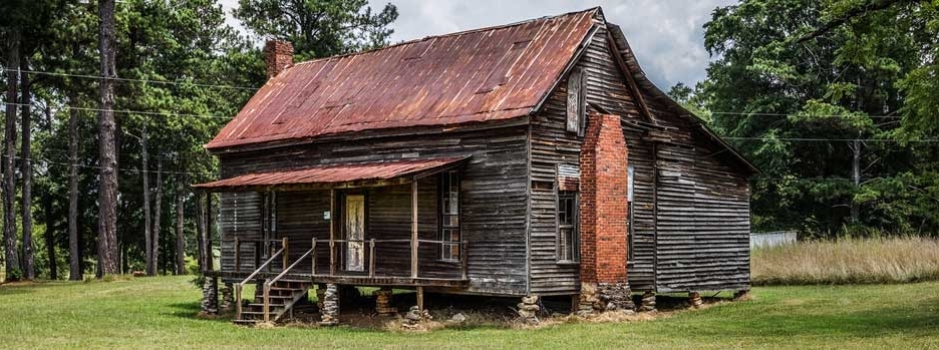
(356, 280)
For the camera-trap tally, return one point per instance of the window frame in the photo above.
(451, 251)
(569, 200)
(630, 216)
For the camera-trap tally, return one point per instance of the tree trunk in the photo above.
(29, 261)
(180, 238)
(856, 177)
(200, 231)
(74, 250)
(155, 255)
(107, 202)
(9, 191)
(50, 222)
(50, 235)
(148, 234)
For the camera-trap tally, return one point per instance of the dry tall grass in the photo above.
(848, 261)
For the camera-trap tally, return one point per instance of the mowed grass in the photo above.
(847, 261)
(160, 313)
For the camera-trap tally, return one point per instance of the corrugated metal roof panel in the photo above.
(475, 76)
(334, 174)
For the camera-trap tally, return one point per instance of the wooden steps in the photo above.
(283, 294)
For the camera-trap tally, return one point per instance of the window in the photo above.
(568, 230)
(576, 102)
(629, 220)
(450, 216)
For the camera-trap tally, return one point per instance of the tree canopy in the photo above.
(836, 102)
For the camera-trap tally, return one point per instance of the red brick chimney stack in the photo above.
(278, 55)
(603, 203)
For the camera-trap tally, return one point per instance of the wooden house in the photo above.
(533, 158)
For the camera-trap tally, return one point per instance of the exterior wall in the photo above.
(240, 216)
(703, 214)
(552, 145)
(494, 197)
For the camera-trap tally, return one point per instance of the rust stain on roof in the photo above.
(481, 75)
(335, 174)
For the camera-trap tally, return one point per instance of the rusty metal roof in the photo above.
(333, 174)
(481, 75)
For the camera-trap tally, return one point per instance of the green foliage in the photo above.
(319, 28)
(795, 81)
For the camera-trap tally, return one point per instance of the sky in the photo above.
(666, 35)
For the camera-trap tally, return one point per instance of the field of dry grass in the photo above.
(847, 261)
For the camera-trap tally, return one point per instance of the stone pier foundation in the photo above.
(695, 299)
(329, 313)
(648, 302)
(228, 297)
(742, 295)
(528, 309)
(413, 318)
(603, 297)
(383, 302)
(210, 296)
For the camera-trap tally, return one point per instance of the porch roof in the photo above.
(344, 175)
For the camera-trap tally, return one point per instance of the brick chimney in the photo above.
(603, 201)
(278, 55)
(603, 209)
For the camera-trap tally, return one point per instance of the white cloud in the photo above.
(666, 36)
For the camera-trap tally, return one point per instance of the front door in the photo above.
(354, 228)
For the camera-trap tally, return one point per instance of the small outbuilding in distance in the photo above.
(526, 159)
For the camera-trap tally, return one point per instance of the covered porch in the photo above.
(373, 224)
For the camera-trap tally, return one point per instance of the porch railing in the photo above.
(266, 265)
(372, 243)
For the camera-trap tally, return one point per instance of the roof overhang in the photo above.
(336, 176)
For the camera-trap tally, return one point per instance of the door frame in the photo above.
(341, 222)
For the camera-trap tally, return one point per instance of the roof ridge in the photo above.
(463, 32)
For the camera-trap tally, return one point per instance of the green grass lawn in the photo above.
(160, 313)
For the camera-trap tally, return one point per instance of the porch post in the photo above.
(414, 241)
(332, 232)
(209, 231)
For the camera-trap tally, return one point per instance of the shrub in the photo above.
(848, 261)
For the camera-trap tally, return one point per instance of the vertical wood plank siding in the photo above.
(703, 215)
(494, 201)
(239, 217)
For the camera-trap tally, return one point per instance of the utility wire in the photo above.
(127, 111)
(801, 139)
(760, 114)
(125, 170)
(152, 81)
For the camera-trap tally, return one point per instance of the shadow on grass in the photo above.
(190, 311)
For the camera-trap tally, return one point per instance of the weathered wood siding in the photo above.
(702, 227)
(703, 220)
(552, 144)
(493, 194)
(239, 216)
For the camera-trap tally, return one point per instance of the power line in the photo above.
(127, 111)
(802, 139)
(151, 81)
(761, 114)
(125, 170)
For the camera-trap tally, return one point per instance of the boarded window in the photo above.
(450, 216)
(568, 228)
(576, 104)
